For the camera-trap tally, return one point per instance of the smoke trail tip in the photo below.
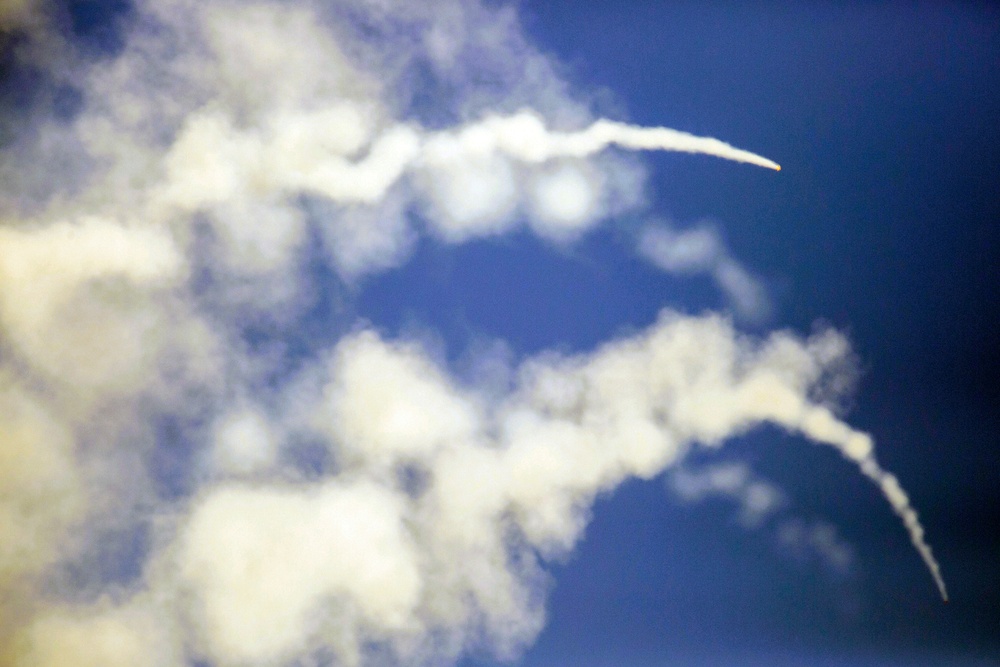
(942, 590)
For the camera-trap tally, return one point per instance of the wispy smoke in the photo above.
(701, 250)
(345, 497)
(808, 541)
(757, 499)
(761, 503)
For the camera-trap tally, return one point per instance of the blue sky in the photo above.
(251, 309)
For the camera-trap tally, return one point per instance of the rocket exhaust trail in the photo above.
(820, 425)
(523, 136)
(900, 502)
(666, 139)
(182, 227)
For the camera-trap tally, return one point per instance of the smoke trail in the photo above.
(466, 174)
(524, 137)
(343, 496)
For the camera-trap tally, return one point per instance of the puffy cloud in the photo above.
(131, 635)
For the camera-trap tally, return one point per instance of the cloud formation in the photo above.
(351, 500)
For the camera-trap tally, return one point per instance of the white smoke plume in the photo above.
(342, 498)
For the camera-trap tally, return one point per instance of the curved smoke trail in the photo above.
(347, 497)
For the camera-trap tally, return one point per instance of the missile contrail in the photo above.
(211, 159)
(524, 136)
(819, 424)
(665, 139)
(161, 252)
